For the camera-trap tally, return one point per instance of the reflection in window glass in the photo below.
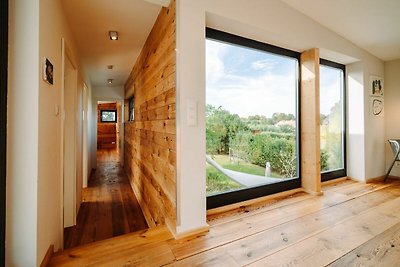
(331, 109)
(251, 117)
(108, 116)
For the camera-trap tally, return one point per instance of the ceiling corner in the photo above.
(164, 3)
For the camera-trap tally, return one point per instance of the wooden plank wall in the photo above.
(106, 131)
(310, 122)
(150, 146)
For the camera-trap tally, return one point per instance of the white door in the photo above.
(70, 94)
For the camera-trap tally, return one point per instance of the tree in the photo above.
(277, 117)
(221, 128)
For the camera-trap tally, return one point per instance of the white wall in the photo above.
(392, 109)
(190, 140)
(34, 177)
(355, 121)
(374, 126)
(115, 92)
(22, 134)
(275, 23)
(53, 27)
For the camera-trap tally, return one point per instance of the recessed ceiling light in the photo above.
(113, 35)
(110, 67)
(110, 81)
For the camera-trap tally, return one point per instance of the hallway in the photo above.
(109, 207)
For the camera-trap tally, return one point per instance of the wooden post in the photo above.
(310, 122)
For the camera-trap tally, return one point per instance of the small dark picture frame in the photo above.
(48, 71)
(108, 115)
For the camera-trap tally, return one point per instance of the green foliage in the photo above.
(256, 140)
(221, 127)
(331, 139)
(324, 160)
(279, 152)
(277, 117)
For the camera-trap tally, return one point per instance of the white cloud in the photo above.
(247, 95)
(264, 64)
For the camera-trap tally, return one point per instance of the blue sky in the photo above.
(249, 82)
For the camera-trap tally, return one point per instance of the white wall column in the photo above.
(191, 146)
(22, 134)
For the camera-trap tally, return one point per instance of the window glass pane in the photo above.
(108, 116)
(331, 109)
(251, 117)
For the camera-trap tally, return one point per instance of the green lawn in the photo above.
(242, 166)
(218, 182)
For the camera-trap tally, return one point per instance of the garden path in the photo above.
(242, 178)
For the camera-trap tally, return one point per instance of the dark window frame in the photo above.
(131, 106)
(338, 173)
(226, 198)
(3, 122)
(108, 110)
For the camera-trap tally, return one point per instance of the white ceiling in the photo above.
(91, 20)
(370, 24)
(373, 25)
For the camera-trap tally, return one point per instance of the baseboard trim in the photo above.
(336, 180)
(373, 179)
(253, 201)
(47, 257)
(145, 211)
(196, 231)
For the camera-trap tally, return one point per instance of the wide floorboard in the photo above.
(109, 207)
(352, 224)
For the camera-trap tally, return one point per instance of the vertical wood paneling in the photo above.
(310, 122)
(150, 141)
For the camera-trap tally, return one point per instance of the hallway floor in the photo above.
(109, 207)
(351, 224)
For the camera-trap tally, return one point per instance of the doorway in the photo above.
(108, 128)
(69, 142)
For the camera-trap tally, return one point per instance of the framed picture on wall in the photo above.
(48, 71)
(376, 86)
(376, 106)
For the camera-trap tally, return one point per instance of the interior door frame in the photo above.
(66, 55)
(3, 122)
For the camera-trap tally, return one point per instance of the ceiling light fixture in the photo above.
(110, 81)
(113, 35)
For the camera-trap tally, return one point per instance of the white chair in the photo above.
(395, 145)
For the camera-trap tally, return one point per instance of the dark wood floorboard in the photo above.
(109, 207)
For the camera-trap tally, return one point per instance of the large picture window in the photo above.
(251, 119)
(332, 119)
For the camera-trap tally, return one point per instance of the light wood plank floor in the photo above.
(352, 224)
(109, 207)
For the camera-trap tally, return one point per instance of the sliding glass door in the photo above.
(332, 119)
(251, 119)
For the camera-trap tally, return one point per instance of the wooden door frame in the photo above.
(3, 121)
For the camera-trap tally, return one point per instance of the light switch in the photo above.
(56, 110)
(191, 112)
